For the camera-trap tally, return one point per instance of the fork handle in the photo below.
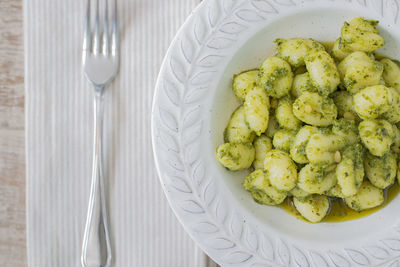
(96, 248)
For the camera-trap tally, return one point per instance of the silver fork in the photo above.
(100, 59)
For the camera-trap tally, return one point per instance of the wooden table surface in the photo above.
(12, 141)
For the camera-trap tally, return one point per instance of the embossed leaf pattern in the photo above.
(251, 239)
(206, 228)
(172, 91)
(397, 228)
(192, 206)
(178, 68)
(192, 117)
(220, 42)
(377, 252)
(178, 128)
(221, 243)
(300, 258)
(339, 260)
(202, 77)
(188, 49)
(393, 8)
(168, 141)
(232, 27)
(209, 194)
(266, 248)
(180, 184)
(377, 5)
(201, 29)
(195, 95)
(221, 212)
(174, 162)
(198, 173)
(168, 120)
(229, 5)
(283, 253)
(192, 153)
(236, 226)
(249, 15)
(194, 134)
(318, 259)
(362, 2)
(264, 6)
(209, 61)
(237, 257)
(285, 2)
(214, 12)
(392, 243)
(357, 256)
(394, 264)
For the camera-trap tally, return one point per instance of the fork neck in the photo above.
(99, 106)
(99, 90)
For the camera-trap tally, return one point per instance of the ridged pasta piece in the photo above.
(260, 187)
(313, 208)
(236, 156)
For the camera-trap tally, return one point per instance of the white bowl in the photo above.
(192, 105)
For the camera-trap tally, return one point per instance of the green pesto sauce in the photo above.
(275, 76)
(339, 212)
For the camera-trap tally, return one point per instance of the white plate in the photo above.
(192, 105)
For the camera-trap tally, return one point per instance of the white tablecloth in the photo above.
(59, 123)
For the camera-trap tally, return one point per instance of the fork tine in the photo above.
(86, 36)
(114, 31)
(105, 30)
(96, 35)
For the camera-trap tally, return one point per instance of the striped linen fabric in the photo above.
(59, 122)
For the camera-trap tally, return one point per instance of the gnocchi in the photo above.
(302, 83)
(391, 73)
(318, 125)
(381, 171)
(283, 139)
(299, 193)
(276, 77)
(335, 191)
(284, 115)
(350, 170)
(314, 208)
(377, 136)
(314, 109)
(367, 197)
(361, 35)
(344, 104)
(358, 70)
(298, 148)
(238, 131)
(324, 148)
(347, 129)
(256, 110)
(295, 50)
(262, 145)
(323, 72)
(280, 169)
(393, 114)
(396, 139)
(244, 82)
(236, 156)
(314, 179)
(339, 52)
(372, 101)
(259, 185)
